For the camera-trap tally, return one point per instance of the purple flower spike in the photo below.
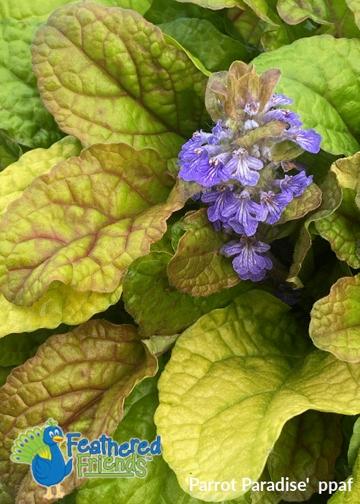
(250, 261)
(283, 115)
(244, 214)
(308, 140)
(244, 168)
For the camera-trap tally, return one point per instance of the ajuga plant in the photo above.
(245, 182)
(179, 251)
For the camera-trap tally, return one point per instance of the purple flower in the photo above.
(243, 214)
(278, 99)
(282, 115)
(219, 200)
(273, 205)
(219, 133)
(251, 108)
(250, 261)
(204, 164)
(244, 167)
(308, 140)
(294, 184)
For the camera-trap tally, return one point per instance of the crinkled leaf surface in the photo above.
(335, 320)
(60, 303)
(159, 308)
(22, 114)
(333, 95)
(342, 227)
(84, 222)
(307, 448)
(214, 49)
(81, 379)
(238, 375)
(331, 199)
(23, 9)
(109, 76)
(347, 171)
(329, 12)
(342, 230)
(19, 175)
(301, 206)
(198, 268)
(160, 485)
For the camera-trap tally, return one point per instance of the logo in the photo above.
(53, 456)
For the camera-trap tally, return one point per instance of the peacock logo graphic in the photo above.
(39, 447)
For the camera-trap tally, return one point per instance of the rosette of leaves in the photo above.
(107, 261)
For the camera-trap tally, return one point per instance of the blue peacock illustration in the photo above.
(39, 448)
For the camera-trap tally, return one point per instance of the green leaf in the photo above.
(81, 379)
(335, 320)
(212, 4)
(22, 114)
(200, 37)
(301, 206)
(342, 230)
(138, 422)
(23, 9)
(164, 11)
(307, 448)
(331, 199)
(60, 304)
(15, 350)
(198, 268)
(351, 494)
(333, 95)
(354, 444)
(274, 37)
(4, 373)
(247, 25)
(263, 10)
(159, 308)
(354, 5)
(124, 82)
(237, 376)
(10, 151)
(328, 12)
(18, 176)
(84, 222)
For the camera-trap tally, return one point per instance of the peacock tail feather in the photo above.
(30, 443)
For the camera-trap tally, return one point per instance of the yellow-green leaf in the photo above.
(198, 268)
(237, 376)
(81, 379)
(109, 76)
(84, 222)
(335, 320)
